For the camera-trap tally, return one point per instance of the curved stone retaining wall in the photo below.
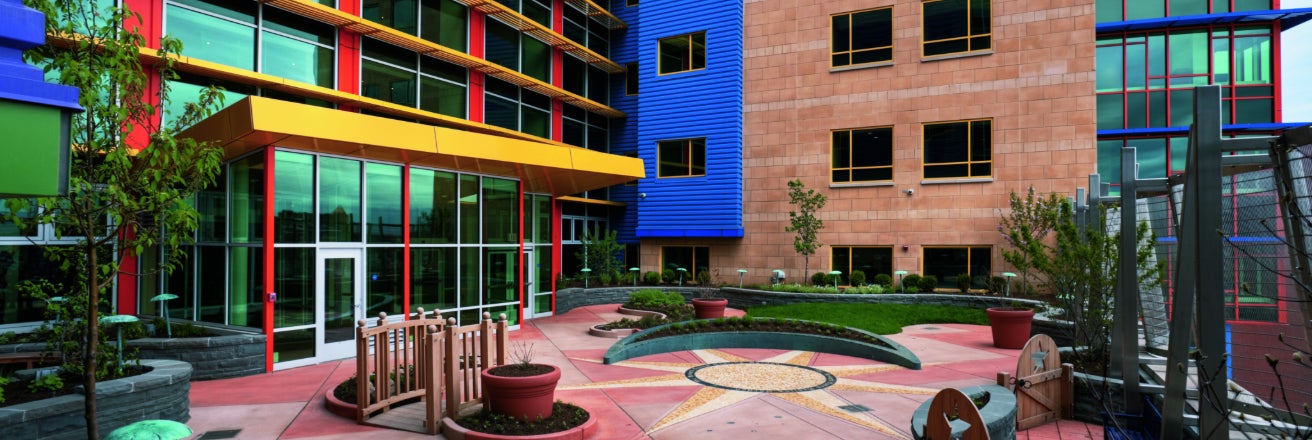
(234, 354)
(890, 352)
(158, 394)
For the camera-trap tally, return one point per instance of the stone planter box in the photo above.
(233, 353)
(999, 414)
(161, 393)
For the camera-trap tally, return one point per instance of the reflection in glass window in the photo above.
(870, 260)
(681, 158)
(958, 149)
(383, 210)
(947, 263)
(294, 198)
(861, 37)
(391, 74)
(682, 53)
(339, 199)
(957, 26)
(862, 155)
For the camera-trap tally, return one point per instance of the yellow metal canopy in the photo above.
(256, 122)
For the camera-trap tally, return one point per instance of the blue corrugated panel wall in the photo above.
(704, 103)
(624, 132)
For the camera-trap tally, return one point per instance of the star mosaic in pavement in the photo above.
(726, 379)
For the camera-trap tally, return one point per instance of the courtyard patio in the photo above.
(651, 398)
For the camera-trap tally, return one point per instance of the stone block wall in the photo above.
(161, 393)
(215, 357)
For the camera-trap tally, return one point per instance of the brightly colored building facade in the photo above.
(383, 155)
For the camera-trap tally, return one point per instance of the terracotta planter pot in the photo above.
(527, 397)
(1011, 326)
(709, 308)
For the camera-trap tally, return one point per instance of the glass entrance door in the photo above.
(537, 287)
(341, 298)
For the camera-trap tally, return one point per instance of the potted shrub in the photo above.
(707, 306)
(523, 389)
(1011, 326)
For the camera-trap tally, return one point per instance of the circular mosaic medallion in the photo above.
(761, 377)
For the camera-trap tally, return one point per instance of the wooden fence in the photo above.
(427, 359)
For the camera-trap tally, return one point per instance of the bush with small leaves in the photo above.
(963, 282)
(819, 279)
(883, 280)
(48, 383)
(651, 278)
(997, 285)
(928, 283)
(669, 276)
(911, 282)
(857, 278)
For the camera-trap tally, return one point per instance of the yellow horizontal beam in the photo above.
(392, 36)
(256, 122)
(242, 76)
(591, 201)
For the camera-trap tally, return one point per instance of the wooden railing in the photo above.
(428, 359)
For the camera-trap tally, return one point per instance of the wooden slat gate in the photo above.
(952, 404)
(1044, 386)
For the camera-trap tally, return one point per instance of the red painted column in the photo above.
(348, 56)
(523, 279)
(556, 251)
(1279, 113)
(405, 238)
(557, 71)
(477, 28)
(126, 302)
(151, 25)
(268, 258)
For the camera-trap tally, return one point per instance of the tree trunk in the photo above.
(93, 339)
(806, 267)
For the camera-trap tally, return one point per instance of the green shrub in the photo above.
(651, 278)
(669, 276)
(3, 381)
(48, 383)
(818, 279)
(604, 279)
(704, 277)
(646, 298)
(857, 278)
(997, 285)
(963, 282)
(911, 283)
(928, 283)
(865, 290)
(883, 280)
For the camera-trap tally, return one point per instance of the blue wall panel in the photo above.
(704, 103)
(624, 132)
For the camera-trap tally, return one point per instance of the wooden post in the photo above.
(449, 342)
(432, 373)
(361, 370)
(1004, 379)
(1067, 391)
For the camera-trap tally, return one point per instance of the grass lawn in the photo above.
(883, 319)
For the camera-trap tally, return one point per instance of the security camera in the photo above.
(642, 195)
(909, 191)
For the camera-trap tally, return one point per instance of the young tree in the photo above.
(130, 177)
(600, 252)
(1026, 228)
(804, 222)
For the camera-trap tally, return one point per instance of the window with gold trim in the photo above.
(861, 37)
(956, 26)
(682, 53)
(870, 260)
(693, 259)
(862, 155)
(681, 158)
(948, 263)
(958, 149)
